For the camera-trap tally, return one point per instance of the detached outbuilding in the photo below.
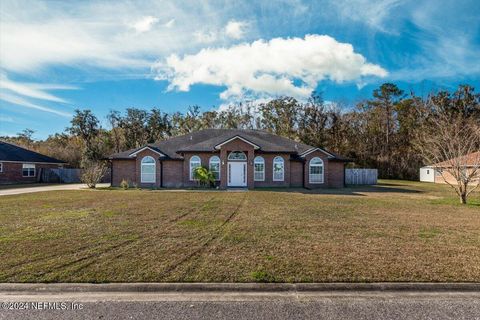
(20, 165)
(438, 173)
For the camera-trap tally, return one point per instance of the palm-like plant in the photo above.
(205, 177)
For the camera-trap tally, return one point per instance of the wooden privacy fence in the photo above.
(361, 176)
(61, 175)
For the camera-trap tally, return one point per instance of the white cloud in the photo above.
(21, 94)
(205, 37)
(170, 23)
(145, 24)
(25, 103)
(235, 29)
(376, 14)
(291, 66)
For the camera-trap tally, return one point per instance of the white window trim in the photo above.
(228, 158)
(133, 154)
(256, 147)
(154, 165)
(254, 168)
(283, 169)
(219, 166)
(316, 165)
(190, 166)
(304, 154)
(29, 166)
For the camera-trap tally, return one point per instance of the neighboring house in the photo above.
(433, 173)
(19, 165)
(238, 158)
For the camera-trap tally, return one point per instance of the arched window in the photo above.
(195, 162)
(237, 155)
(278, 169)
(214, 167)
(259, 169)
(147, 170)
(315, 170)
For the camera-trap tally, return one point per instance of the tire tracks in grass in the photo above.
(97, 253)
(119, 254)
(216, 234)
(96, 248)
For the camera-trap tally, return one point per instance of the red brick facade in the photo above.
(176, 173)
(12, 172)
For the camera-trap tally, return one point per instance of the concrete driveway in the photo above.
(42, 188)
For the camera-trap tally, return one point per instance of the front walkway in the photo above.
(41, 188)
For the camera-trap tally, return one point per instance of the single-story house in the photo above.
(20, 165)
(437, 173)
(238, 158)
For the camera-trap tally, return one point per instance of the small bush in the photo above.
(93, 173)
(124, 184)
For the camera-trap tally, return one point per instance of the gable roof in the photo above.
(471, 159)
(12, 152)
(206, 141)
(236, 137)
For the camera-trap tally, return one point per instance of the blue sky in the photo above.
(58, 56)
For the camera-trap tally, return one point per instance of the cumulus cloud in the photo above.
(235, 29)
(291, 66)
(145, 24)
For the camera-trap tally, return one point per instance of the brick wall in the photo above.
(296, 173)
(123, 169)
(172, 173)
(12, 172)
(333, 172)
(448, 177)
(205, 161)
(336, 174)
(268, 157)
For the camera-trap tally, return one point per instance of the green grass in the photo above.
(396, 231)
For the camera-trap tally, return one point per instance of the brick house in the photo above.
(438, 173)
(238, 158)
(20, 165)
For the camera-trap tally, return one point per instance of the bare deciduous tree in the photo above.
(93, 173)
(451, 145)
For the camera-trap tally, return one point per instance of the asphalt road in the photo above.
(245, 305)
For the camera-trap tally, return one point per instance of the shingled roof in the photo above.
(11, 152)
(469, 160)
(206, 141)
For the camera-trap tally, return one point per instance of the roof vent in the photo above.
(191, 138)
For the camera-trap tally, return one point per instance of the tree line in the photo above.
(382, 132)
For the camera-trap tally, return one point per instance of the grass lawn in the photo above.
(397, 231)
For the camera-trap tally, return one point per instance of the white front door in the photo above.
(237, 174)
